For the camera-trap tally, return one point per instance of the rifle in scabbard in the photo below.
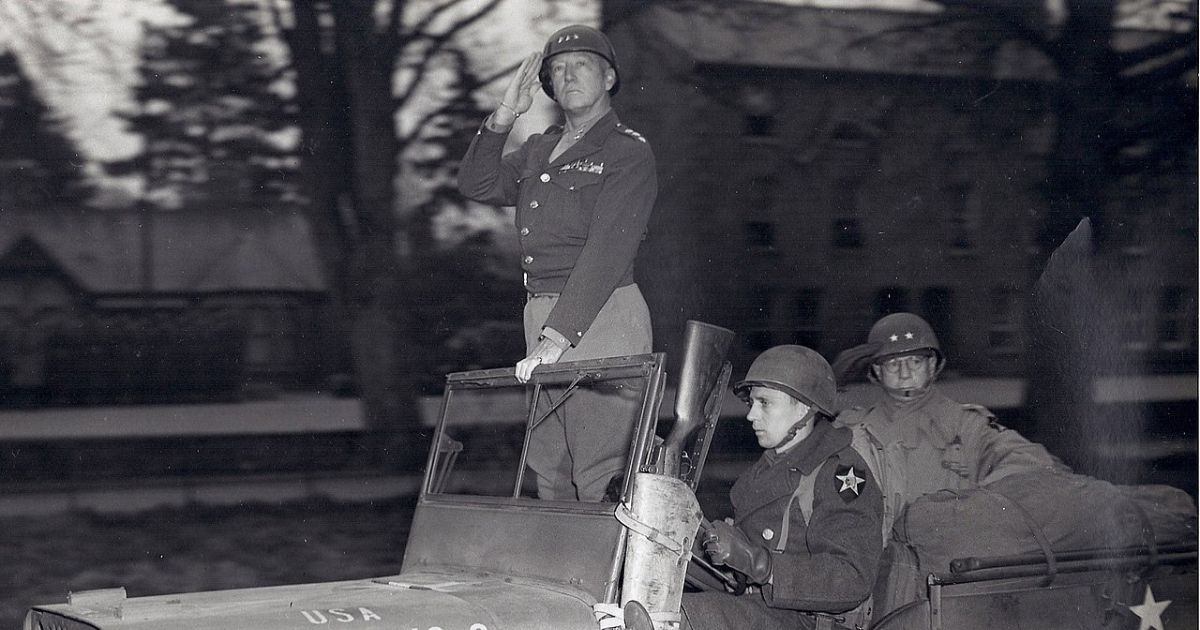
(703, 377)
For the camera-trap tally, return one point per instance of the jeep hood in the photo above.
(414, 600)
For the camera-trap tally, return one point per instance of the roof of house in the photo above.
(191, 251)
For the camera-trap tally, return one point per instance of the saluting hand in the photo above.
(518, 96)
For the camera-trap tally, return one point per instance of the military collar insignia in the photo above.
(850, 483)
(583, 165)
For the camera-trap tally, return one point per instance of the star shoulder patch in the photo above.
(1149, 612)
(850, 481)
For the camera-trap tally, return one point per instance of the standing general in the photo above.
(583, 193)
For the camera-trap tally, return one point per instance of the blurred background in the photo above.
(234, 268)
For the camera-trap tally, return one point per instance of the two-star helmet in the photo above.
(903, 333)
(578, 38)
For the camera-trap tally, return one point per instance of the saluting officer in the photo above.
(583, 193)
(806, 532)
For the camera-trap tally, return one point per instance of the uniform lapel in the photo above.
(591, 141)
(539, 154)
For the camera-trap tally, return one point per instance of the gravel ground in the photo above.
(196, 548)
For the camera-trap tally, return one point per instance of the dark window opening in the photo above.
(890, 300)
(758, 340)
(758, 303)
(806, 318)
(760, 125)
(808, 338)
(808, 306)
(847, 233)
(937, 306)
(759, 234)
(1174, 328)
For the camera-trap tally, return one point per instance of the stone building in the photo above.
(819, 168)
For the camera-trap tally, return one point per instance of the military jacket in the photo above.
(829, 563)
(933, 443)
(580, 217)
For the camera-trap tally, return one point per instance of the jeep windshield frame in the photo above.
(506, 532)
(467, 393)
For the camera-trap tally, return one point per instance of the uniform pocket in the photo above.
(576, 193)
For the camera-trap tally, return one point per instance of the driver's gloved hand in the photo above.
(727, 545)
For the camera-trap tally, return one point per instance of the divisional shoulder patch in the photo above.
(631, 133)
(850, 482)
(987, 414)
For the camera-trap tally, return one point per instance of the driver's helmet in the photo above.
(797, 371)
(578, 38)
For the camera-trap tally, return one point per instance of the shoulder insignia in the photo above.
(631, 133)
(850, 416)
(987, 414)
(849, 482)
(979, 409)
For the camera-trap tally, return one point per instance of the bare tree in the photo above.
(346, 56)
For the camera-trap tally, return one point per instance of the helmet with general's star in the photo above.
(797, 371)
(902, 333)
(578, 38)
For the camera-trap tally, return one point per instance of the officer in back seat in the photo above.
(807, 515)
(929, 441)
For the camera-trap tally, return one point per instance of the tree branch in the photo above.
(1151, 77)
(488, 80)
(435, 45)
(1166, 46)
(427, 21)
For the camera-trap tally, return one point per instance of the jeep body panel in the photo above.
(416, 600)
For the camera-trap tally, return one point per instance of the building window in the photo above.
(1135, 323)
(759, 125)
(1135, 221)
(271, 336)
(759, 235)
(777, 315)
(847, 233)
(806, 318)
(1004, 321)
(760, 105)
(937, 306)
(964, 212)
(847, 227)
(1174, 318)
(760, 302)
(890, 300)
(761, 195)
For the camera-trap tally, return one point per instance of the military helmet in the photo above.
(902, 333)
(578, 38)
(796, 371)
